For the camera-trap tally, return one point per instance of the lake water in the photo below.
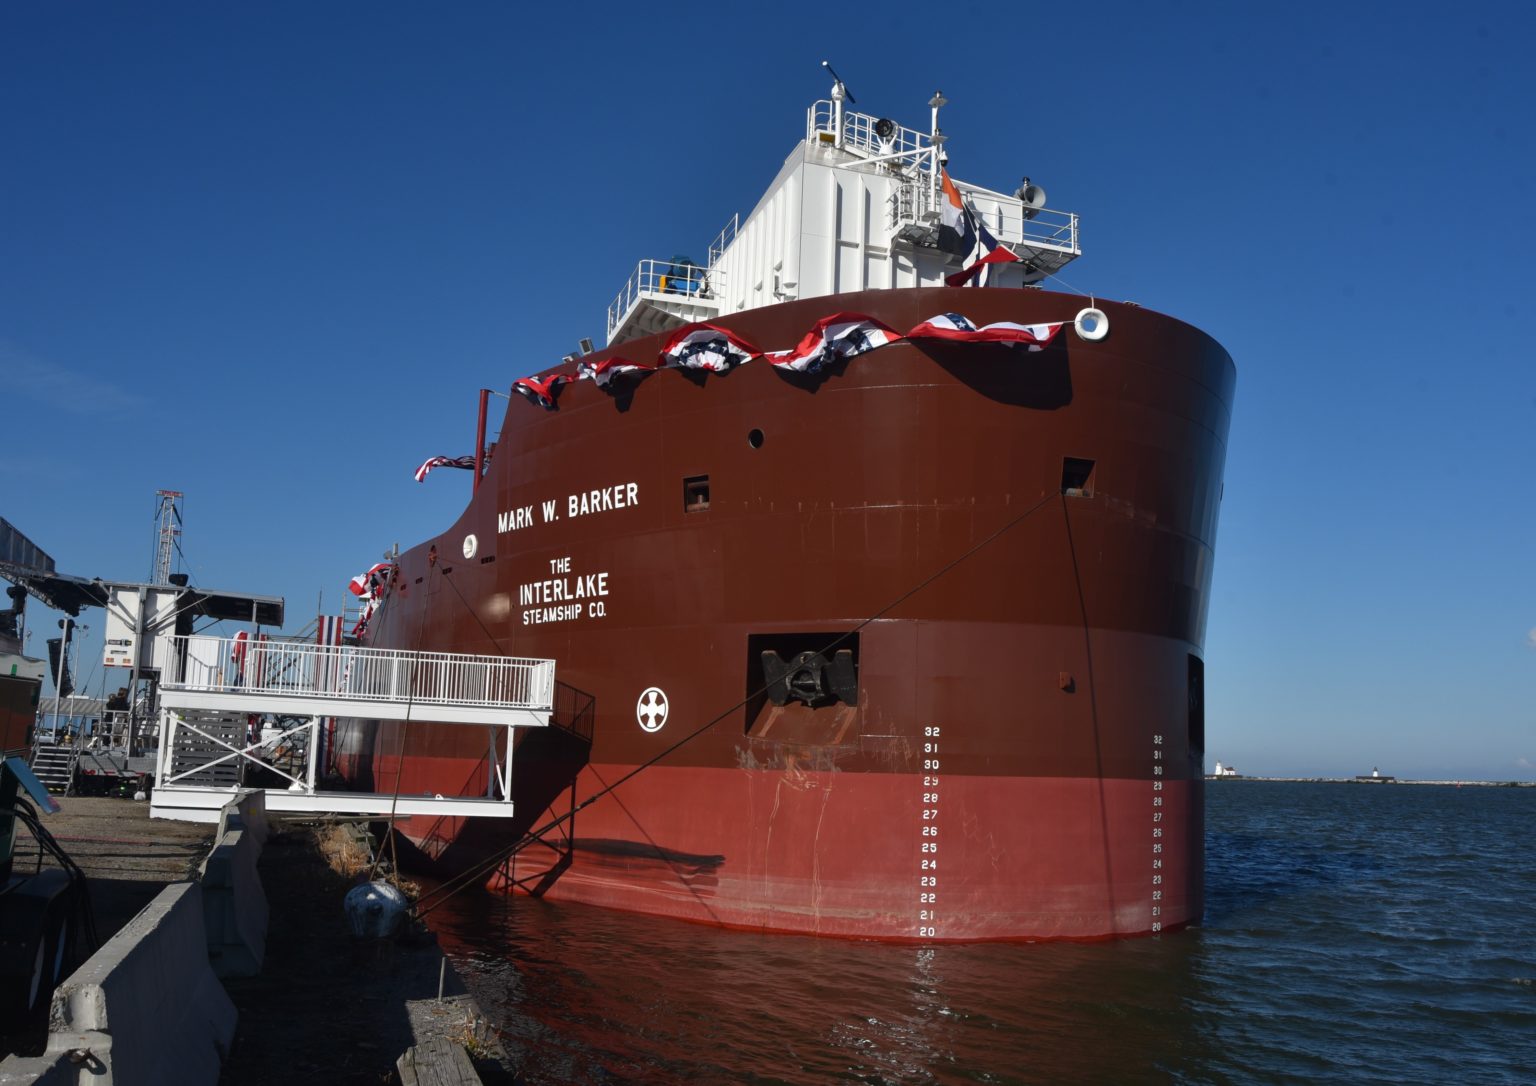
(1361, 933)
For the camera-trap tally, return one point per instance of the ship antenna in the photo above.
(937, 102)
(827, 64)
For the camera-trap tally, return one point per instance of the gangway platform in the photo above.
(224, 681)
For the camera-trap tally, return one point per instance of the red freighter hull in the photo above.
(1016, 547)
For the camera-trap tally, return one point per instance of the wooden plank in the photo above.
(438, 1062)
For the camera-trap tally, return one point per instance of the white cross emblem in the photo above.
(651, 709)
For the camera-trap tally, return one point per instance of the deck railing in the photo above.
(859, 133)
(684, 282)
(225, 665)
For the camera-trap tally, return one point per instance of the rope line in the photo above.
(405, 730)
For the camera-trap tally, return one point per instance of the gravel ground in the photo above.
(127, 857)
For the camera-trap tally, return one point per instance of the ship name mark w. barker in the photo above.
(618, 496)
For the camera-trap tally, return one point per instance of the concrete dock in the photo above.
(324, 1008)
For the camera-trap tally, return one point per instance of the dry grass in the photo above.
(346, 855)
(474, 1034)
(349, 857)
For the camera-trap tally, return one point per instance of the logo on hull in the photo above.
(651, 709)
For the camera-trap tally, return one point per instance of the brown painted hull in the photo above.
(1024, 758)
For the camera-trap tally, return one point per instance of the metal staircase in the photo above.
(54, 765)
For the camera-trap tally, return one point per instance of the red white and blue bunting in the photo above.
(369, 586)
(836, 338)
(953, 326)
(443, 462)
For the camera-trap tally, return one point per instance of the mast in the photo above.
(167, 528)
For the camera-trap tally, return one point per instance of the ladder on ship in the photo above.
(204, 747)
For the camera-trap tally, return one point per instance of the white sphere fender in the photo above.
(376, 910)
(1091, 324)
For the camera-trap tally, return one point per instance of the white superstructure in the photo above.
(855, 207)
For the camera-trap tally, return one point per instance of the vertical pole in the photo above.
(837, 113)
(167, 741)
(485, 396)
(938, 100)
(314, 752)
(506, 787)
(133, 678)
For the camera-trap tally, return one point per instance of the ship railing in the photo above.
(913, 213)
(219, 665)
(663, 280)
(718, 247)
(903, 145)
(1045, 229)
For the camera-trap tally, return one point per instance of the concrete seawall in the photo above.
(308, 1006)
(147, 1007)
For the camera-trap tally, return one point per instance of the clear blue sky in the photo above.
(265, 254)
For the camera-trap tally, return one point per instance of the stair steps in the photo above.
(54, 765)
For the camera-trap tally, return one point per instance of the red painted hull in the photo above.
(1023, 759)
(843, 854)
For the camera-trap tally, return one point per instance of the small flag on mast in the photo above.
(443, 462)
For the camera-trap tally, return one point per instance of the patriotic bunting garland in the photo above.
(838, 337)
(833, 339)
(609, 368)
(953, 326)
(369, 586)
(706, 347)
(542, 390)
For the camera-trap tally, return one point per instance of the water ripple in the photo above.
(1367, 933)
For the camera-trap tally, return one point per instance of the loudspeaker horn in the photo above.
(1033, 198)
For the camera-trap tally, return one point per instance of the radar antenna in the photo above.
(827, 64)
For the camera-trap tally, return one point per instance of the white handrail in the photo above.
(664, 277)
(348, 673)
(859, 134)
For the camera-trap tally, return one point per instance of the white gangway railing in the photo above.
(314, 682)
(224, 665)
